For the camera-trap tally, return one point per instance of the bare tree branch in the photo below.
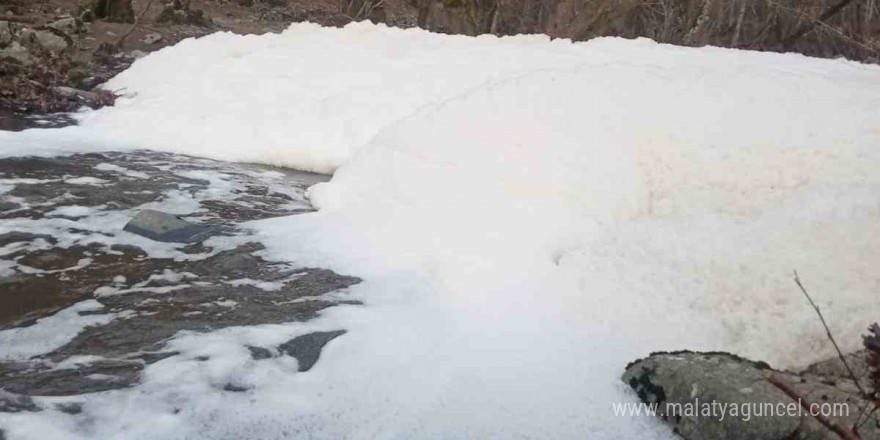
(845, 434)
(805, 29)
(849, 370)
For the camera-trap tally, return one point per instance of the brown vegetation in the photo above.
(825, 28)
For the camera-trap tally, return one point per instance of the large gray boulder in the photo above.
(152, 38)
(43, 39)
(161, 226)
(68, 25)
(17, 52)
(721, 396)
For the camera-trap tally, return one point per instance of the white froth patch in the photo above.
(528, 216)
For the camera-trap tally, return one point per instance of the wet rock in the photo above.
(18, 53)
(68, 25)
(200, 308)
(161, 226)
(834, 367)
(70, 92)
(152, 38)
(44, 40)
(259, 353)
(28, 297)
(155, 298)
(12, 121)
(36, 379)
(307, 348)
(153, 357)
(234, 388)
(694, 390)
(11, 403)
(17, 237)
(55, 259)
(235, 263)
(72, 408)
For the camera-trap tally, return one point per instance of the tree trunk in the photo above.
(424, 10)
(115, 10)
(739, 23)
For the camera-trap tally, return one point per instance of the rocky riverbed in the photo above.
(86, 305)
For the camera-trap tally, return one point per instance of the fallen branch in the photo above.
(845, 434)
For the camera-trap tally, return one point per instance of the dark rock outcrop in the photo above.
(725, 397)
(307, 348)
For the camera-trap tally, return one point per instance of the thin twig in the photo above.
(844, 433)
(859, 422)
(807, 28)
(846, 37)
(849, 370)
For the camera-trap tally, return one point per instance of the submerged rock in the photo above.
(307, 348)
(10, 403)
(725, 397)
(259, 353)
(38, 379)
(161, 226)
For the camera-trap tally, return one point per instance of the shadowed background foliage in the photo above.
(825, 28)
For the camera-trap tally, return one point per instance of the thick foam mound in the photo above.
(306, 98)
(528, 217)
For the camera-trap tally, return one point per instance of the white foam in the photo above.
(528, 217)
